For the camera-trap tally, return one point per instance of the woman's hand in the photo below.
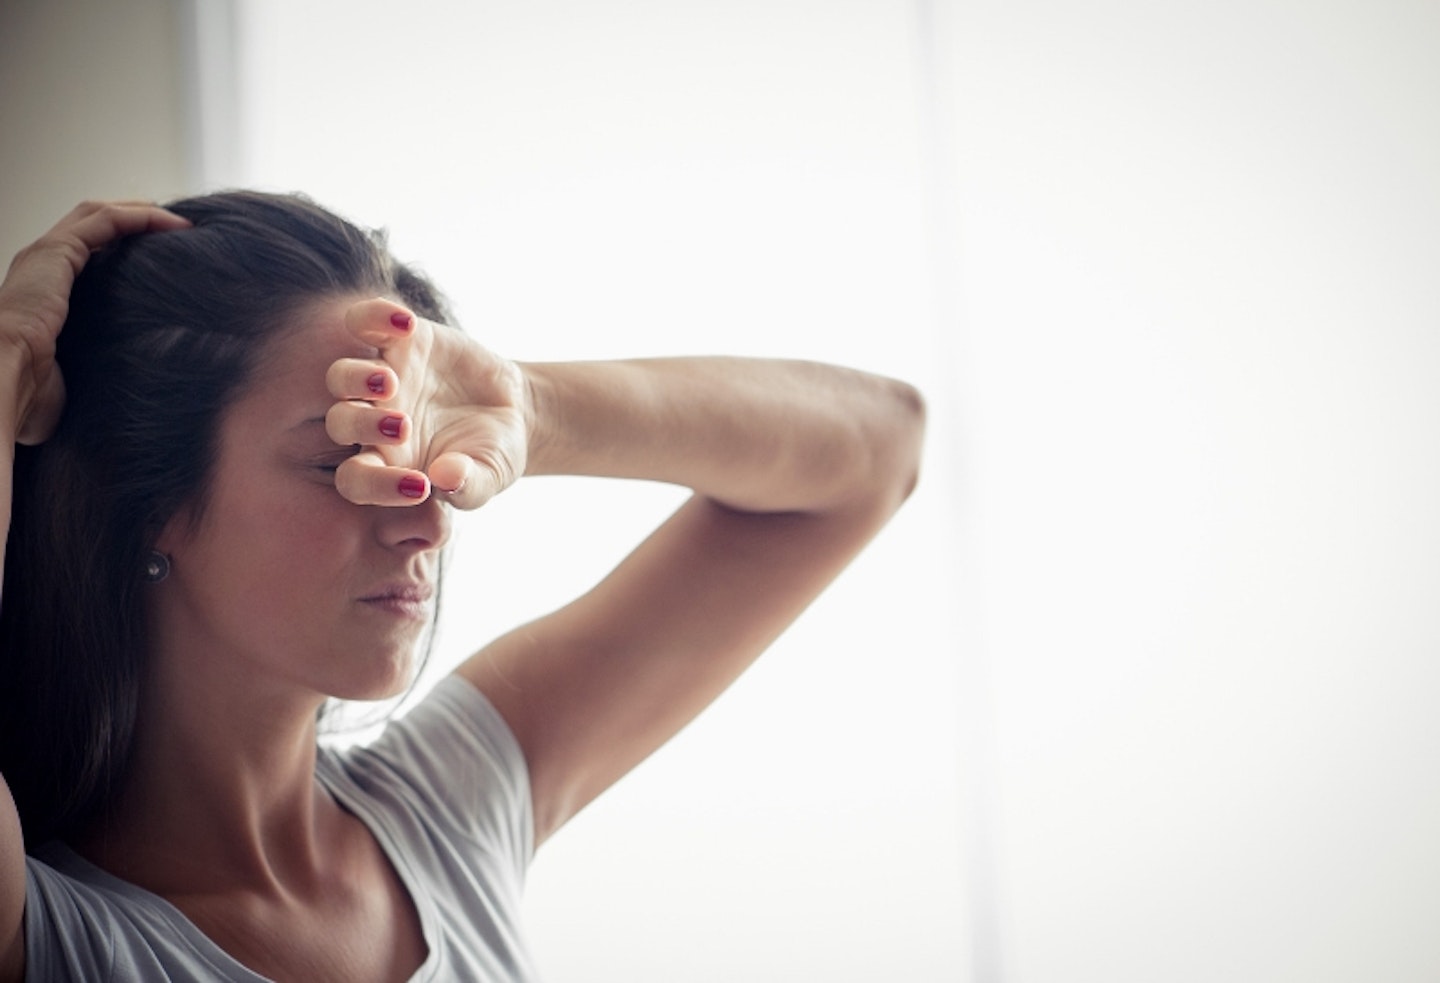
(435, 410)
(35, 297)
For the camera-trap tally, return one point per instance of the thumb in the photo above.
(465, 482)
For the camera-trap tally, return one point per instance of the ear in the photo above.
(178, 531)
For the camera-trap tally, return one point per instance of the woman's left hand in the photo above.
(437, 411)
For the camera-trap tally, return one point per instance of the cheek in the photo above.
(316, 529)
(280, 572)
(291, 544)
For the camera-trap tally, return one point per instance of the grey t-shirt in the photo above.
(445, 791)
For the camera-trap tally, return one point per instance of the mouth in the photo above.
(408, 600)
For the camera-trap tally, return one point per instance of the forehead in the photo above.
(295, 360)
(286, 388)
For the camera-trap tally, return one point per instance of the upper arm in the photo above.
(12, 889)
(595, 687)
(12, 844)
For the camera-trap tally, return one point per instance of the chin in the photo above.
(381, 680)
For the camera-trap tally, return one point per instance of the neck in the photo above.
(219, 794)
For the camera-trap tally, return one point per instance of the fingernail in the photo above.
(390, 426)
(402, 320)
(376, 383)
(412, 487)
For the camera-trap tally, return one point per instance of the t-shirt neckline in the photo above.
(332, 777)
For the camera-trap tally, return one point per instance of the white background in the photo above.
(1199, 268)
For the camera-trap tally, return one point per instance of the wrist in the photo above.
(14, 361)
(540, 406)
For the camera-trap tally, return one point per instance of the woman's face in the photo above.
(282, 582)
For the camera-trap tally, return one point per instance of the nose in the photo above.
(415, 528)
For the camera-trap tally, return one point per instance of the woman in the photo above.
(238, 512)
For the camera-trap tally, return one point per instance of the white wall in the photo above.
(91, 106)
(1199, 278)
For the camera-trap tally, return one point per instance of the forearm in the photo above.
(10, 376)
(754, 435)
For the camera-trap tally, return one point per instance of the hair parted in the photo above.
(163, 331)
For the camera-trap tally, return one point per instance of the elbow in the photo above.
(860, 454)
(910, 412)
(888, 473)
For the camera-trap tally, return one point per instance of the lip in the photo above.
(406, 599)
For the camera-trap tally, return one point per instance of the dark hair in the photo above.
(163, 329)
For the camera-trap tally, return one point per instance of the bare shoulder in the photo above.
(12, 890)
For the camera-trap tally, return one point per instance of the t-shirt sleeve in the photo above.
(456, 754)
(111, 931)
(55, 911)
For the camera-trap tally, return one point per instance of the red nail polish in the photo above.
(376, 383)
(402, 320)
(390, 426)
(412, 487)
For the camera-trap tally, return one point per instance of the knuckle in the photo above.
(335, 377)
(52, 247)
(350, 481)
(340, 423)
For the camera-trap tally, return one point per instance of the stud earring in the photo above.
(157, 567)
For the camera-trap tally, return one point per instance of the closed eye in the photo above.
(331, 462)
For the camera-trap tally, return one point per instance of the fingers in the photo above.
(462, 482)
(35, 292)
(96, 223)
(357, 422)
(91, 225)
(380, 323)
(362, 379)
(360, 385)
(473, 443)
(366, 479)
(468, 482)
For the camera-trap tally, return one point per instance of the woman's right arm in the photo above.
(12, 848)
(34, 299)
